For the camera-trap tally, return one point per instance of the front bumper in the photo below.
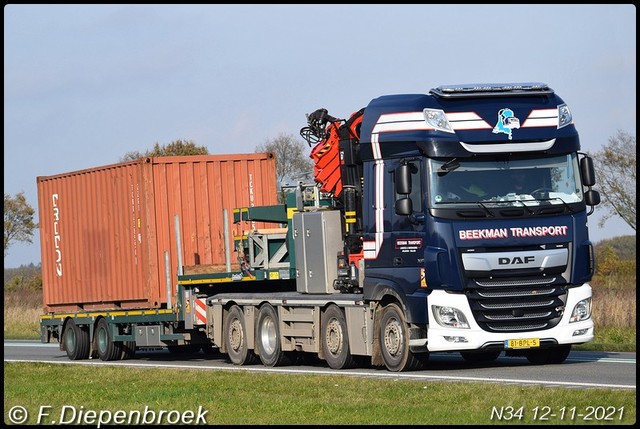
(441, 338)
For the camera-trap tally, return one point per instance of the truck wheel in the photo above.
(552, 355)
(483, 356)
(335, 339)
(76, 341)
(268, 338)
(394, 341)
(236, 338)
(107, 348)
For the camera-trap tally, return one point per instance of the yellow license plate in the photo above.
(522, 343)
(274, 275)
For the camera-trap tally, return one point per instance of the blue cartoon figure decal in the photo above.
(506, 122)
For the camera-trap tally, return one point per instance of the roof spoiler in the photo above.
(492, 90)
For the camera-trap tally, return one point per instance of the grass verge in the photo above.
(276, 399)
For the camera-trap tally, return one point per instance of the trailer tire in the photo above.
(235, 337)
(76, 341)
(394, 341)
(335, 339)
(268, 338)
(107, 348)
(551, 355)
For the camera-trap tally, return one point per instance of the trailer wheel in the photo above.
(76, 341)
(236, 338)
(551, 355)
(394, 341)
(268, 338)
(107, 348)
(335, 339)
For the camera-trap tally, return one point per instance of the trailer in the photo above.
(109, 236)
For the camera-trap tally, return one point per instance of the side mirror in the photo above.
(404, 207)
(403, 179)
(592, 198)
(587, 172)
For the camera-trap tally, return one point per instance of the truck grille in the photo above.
(517, 305)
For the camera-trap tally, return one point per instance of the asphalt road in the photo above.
(610, 370)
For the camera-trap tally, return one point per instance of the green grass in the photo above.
(268, 399)
(611, 339)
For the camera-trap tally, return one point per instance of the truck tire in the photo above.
(335, 339)
(107, 349)
(393, 338)
(552, 355)
(235, 337)
(76, 341)
(268, 338)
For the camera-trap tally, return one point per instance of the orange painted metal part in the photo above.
(326, 158)
(326, 155)
(104, 231)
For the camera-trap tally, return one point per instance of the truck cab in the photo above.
(474, 213)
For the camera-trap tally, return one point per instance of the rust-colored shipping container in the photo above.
(104, 231)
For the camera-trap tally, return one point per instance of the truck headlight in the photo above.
(564, 116)
(438, 120)
(449, 317)
(582, 311)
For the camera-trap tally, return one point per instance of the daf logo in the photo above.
(516, 261)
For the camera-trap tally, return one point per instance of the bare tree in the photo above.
(292, 158)
(616, 177)
(18, 220)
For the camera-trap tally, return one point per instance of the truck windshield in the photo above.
(534, 181)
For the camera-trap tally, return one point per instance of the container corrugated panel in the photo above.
(104, 231)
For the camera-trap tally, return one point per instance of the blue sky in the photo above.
(85, 84)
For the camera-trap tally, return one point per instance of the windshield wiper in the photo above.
(525, 206)
(489, 212)
(470, 212)
(564, 203)
(448, 166)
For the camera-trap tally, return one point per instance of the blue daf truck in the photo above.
(451, 221)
